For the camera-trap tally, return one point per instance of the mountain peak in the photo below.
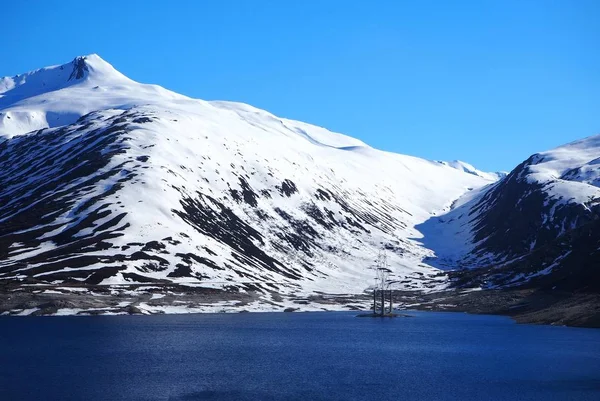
(94, 67)
(48, 79)
(60, 94)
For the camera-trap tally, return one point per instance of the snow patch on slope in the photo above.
(571, 172)
(468, 168)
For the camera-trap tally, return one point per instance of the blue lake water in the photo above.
(295, 356)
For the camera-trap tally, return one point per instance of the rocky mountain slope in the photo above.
(106, 181)
(540, 226)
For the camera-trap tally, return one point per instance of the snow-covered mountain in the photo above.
(106, 180)
(467, 168)
(59, 95)
(540, 225)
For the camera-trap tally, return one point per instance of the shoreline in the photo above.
(525, 306)
(529, 306)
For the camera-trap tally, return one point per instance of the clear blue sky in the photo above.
(487, 82)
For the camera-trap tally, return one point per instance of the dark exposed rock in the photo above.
(517, 222)
(224, 226)
(79, 68)
(181, 270)
(287, 188)
(322, 195)
(138, 278)
(153, 246)
(189, 257)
